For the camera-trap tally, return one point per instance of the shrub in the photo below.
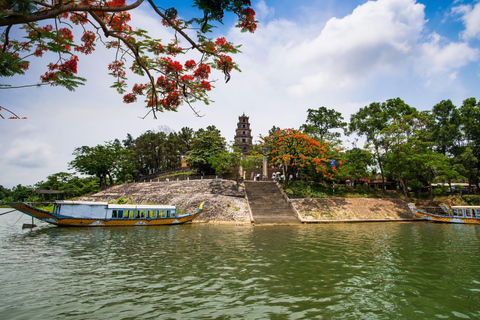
(472, 199)
(121, 200)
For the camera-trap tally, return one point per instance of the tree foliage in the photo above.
(205, 144)
(299, 153)
(226, 162)
(110, 161)
(51, 25)
(320, 123)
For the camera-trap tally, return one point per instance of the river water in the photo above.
(415, 270)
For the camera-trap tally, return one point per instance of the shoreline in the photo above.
(228, 204)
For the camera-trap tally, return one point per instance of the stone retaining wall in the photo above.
(227, 203)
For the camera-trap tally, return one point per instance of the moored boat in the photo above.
(89, 214)
(453, 214)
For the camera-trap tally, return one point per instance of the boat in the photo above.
(90, 214)
(453, 214)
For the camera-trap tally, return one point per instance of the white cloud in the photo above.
(377, 36)
(470, 16)
(442, 56)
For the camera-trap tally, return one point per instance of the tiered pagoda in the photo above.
(243, 135)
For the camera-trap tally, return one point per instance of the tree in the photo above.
(230, 162)
(206, 143)
(321, 121)
(150, 152)
(297, 152)
(356, 164)
(470, 112)
(411, 158)
(5, 193)
(445, 127)
(110, 161)
(371, 120)
(71, 184)
(168, 83)
(22, 193)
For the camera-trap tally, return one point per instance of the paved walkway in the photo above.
(268, 204)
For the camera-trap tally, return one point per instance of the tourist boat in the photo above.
(453, 214)
(89, 214)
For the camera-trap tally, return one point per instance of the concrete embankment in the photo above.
(228, 204)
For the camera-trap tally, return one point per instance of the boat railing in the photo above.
(186, 178)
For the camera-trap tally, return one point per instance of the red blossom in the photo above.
(129, 98)
(187, 77)
(206, 85)
(203, 71)
(117, 68)
(171, 66)
(138, 88)
(225, 63)
(190, 64)
(247, 20)
(88, 39)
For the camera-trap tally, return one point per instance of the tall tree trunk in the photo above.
(431, 190)
(404, 187)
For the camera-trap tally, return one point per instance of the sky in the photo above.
(340, 54)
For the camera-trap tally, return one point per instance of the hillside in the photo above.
(226, 202)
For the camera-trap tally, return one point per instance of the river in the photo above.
(416, 270)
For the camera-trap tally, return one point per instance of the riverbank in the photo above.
(227, 202)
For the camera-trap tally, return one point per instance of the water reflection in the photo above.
(352, 271)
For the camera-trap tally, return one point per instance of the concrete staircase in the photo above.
(268, 204)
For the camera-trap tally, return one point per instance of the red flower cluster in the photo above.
(206, 85)
(170, 65)
(158, 48)
(247, 21)
(225, 63)
(117, 68)
(129, 98)
(88, 39)
(116, 3)
(119, 21)
(41, 48)
(223, 44)
(138, 88)
(203, 71)
(190, 64)
(68, 68)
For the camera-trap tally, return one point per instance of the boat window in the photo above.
(140, 214)
(469, 212)
(117, 214)
(163, 213)
(171, 213)
(151, 214)
(457, 212)
(128, 214)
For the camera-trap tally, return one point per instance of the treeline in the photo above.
(116, 162)
(420, 148)
(416, 149)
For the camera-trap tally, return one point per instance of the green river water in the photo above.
(416, 270)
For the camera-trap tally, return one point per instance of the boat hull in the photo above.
(442, 218)
(60, 220)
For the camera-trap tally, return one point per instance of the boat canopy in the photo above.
(87, 203)
(141, 206)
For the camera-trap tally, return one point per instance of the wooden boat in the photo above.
(454, 214)
(89, 214)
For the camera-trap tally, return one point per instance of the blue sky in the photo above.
(305, 54)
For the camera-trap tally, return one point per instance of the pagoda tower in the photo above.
(243, 135)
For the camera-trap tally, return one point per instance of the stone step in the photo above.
(268, 204)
